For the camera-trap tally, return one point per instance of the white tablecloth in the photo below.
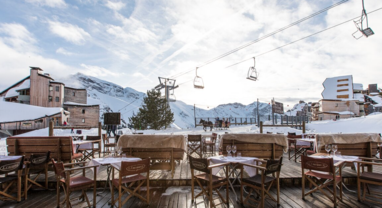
(248, 160)
(116, 161)
(9, 157)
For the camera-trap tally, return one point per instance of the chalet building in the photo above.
(40, 89)
(17, 118)
(341, 99)
(338, 109)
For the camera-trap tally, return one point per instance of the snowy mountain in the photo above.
(114, 98)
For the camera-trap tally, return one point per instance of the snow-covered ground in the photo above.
(369, 124)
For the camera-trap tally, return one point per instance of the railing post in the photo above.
(51, 125)
(303, 127)
(261, 127)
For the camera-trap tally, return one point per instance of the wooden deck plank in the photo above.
(290, 197)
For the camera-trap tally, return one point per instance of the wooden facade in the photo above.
(83, 115)
(75, 95)
(45, 92)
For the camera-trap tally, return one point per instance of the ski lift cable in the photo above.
(127, 105)
(290, 43)
(264, 37)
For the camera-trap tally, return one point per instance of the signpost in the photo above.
(278, 108)
(112, 118)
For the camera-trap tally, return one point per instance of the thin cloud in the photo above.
(49, 3)
(69, 32)
(97, 71)
(116, 6)
(64, 52)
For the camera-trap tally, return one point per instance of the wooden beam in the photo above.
(261, 127)
(75, 127)
(99, 131)
(51, 126)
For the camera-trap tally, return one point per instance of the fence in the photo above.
(233, 120)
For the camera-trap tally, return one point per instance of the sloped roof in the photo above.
(11, 112)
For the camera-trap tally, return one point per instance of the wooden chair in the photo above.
(194, 144)
(88, 151)
(206, 177)
(125, 184)
(324, 171)
(70, 184)
(262, 183)
(37, 165)
(106, 144)
(366, 178)
(6, 167)
(210, 144)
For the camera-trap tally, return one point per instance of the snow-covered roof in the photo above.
(359, 96)
(376, 99)
(11, 112)
(77, 104)
(340, 112)
(357, 86)
(13, 92)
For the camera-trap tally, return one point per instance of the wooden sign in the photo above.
(112, 118)
(278, 108)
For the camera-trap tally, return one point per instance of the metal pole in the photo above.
(258, 116)
(194, 116)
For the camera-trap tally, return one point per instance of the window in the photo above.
(83, 120)
(74, 93)
(343, 90)
(57, 99)
(57, 88)
(50, 88)
(50, 98)
(342, 85)
(343, 96)
(83, 111)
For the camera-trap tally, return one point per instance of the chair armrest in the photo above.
(77, 163)
(370, 158)
(80, 168)
(217, 165)
(253, 166)
(260, 160)
(339, 163)
(368, 163)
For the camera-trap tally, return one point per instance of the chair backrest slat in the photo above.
(200, 164)
(7, 166)
(318, 164)
(194, 138)
(131, 168)
(39, 161)
(273, 166)
(59, 169)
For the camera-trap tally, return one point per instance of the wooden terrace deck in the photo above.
(161, 180)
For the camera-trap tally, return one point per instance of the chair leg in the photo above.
(359, 189)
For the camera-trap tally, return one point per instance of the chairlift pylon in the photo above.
(252, 72)
(198, 81)
(360, 25)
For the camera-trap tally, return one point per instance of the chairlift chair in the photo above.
(252, 73)
(359, 25)
(198, 81)
(172, 97)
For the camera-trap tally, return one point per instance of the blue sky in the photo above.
(131, 43)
